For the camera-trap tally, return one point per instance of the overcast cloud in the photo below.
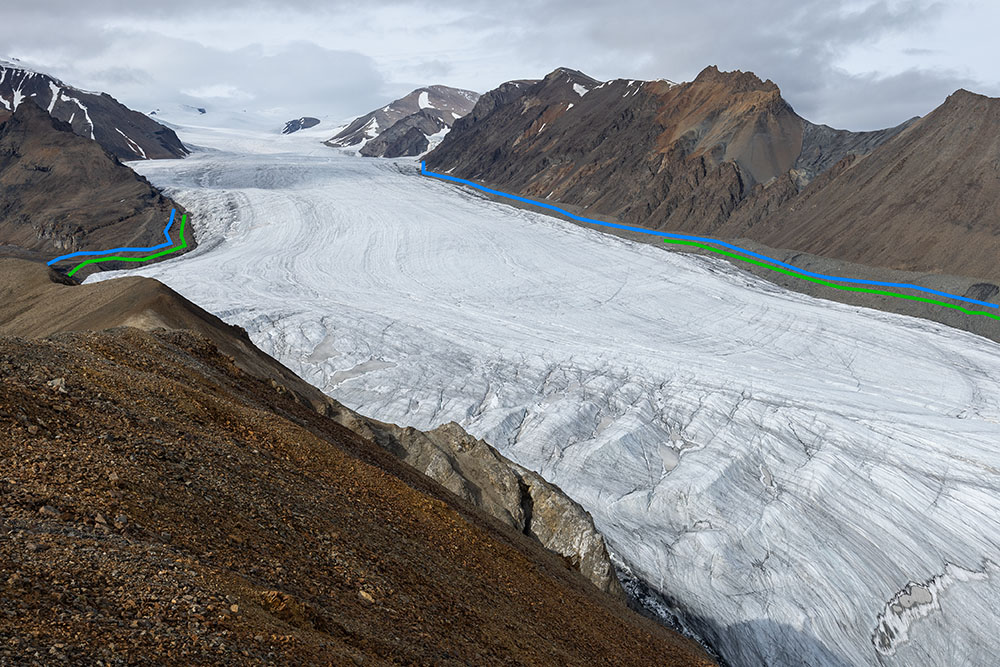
(859, 64)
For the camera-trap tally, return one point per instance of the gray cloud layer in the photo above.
(855, 63)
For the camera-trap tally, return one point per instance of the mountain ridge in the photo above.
(725, 156)
(127, 134)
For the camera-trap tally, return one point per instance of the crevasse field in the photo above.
(811, 483)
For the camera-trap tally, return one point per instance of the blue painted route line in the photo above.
(700, 239)
(87, 253)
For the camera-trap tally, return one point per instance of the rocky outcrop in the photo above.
(299, 124)
(445, 104)
(126, 134)
(61, 193)
(407, 137)
(474, 471)
(562, 525)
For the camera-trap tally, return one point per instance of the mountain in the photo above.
(726, 156)
(166, 501)
(668, 156)
(927, 200)
(409, 136)
(300, 124)
(62, 193)
(425, 111)
(127, 134)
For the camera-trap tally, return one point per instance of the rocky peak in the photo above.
(966, 103)
(737, 81)
(574, 76)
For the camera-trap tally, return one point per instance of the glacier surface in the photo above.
(810, 482)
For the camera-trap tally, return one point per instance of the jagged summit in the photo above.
(737, 80)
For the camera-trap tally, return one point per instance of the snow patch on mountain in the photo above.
(136, 147)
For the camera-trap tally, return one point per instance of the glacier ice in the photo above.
(812, 483)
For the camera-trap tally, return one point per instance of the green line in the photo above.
(136, 259)
(829, 284)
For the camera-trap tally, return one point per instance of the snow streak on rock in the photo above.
(782, 468)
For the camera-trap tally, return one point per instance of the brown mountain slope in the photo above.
(927, 200)
(35, 301)
(60, 193)
(664, 155)
(160, 503)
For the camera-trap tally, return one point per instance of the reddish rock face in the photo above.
(719, 156)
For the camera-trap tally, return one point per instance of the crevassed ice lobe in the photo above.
(808, 480)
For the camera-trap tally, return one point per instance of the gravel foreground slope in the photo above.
(160, 505)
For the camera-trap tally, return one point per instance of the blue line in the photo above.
(686, 237)
(82, 253)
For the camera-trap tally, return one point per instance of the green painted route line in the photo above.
(827, 283)
(183, 244)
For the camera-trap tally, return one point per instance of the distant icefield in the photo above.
(812, 483)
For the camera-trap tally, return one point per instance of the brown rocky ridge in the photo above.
(672, 156)
(164, 501)
(61, 193)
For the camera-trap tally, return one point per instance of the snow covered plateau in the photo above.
(809, 482)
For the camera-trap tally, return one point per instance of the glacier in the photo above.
(807, 482)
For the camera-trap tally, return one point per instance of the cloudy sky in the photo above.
(857, 64)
